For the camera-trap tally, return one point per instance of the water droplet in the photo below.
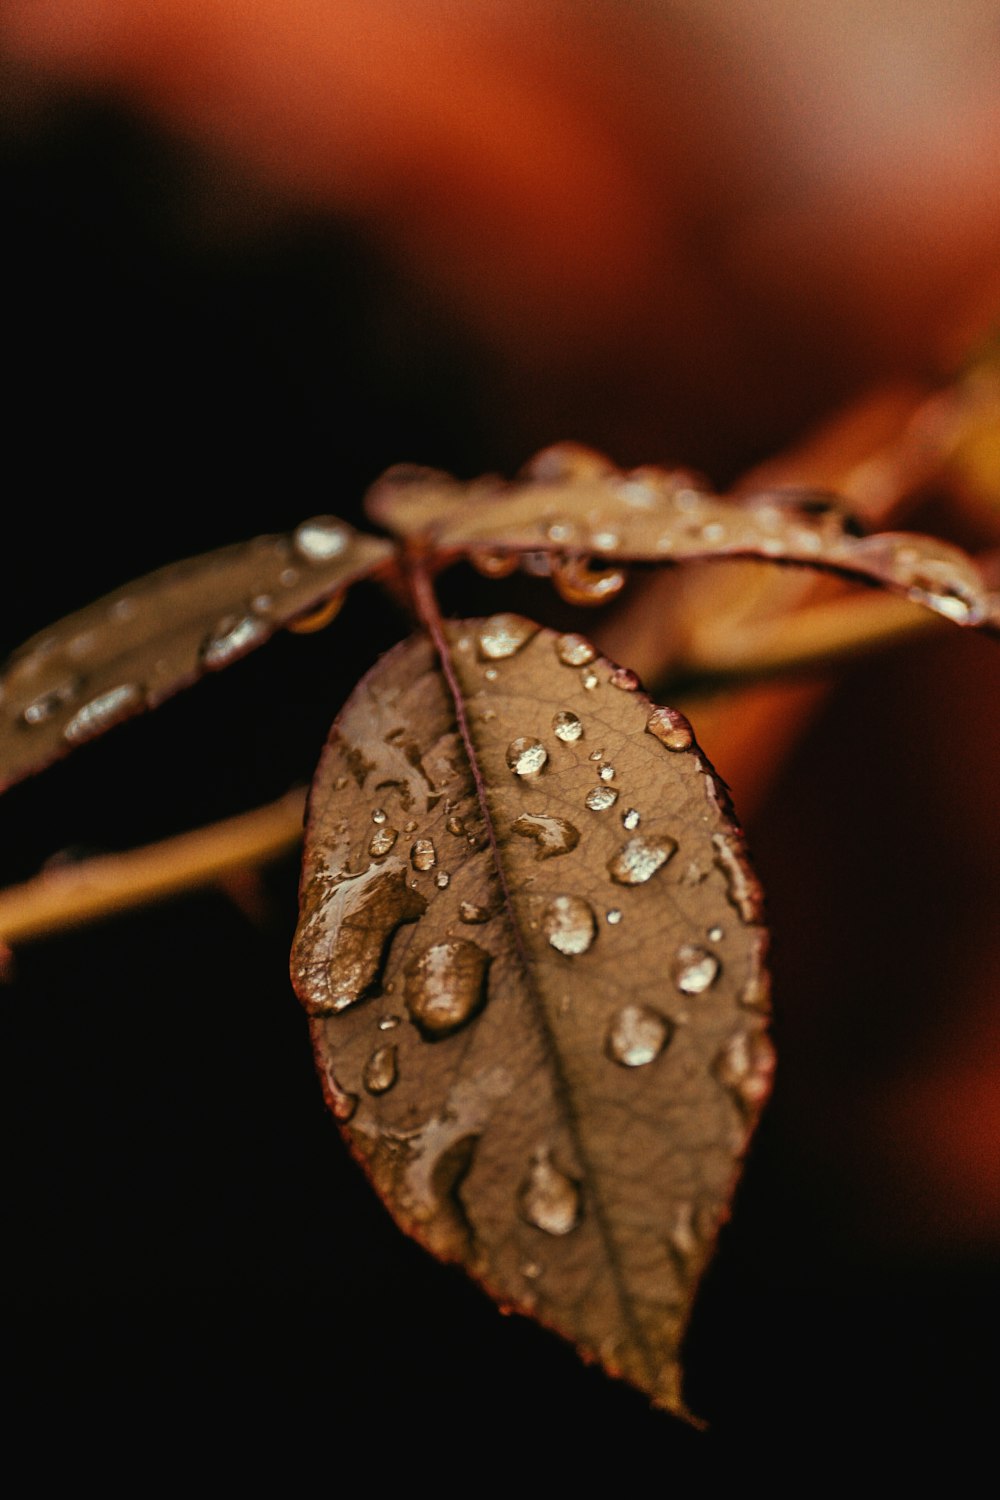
(567, 727)
(455, 825)
(531, 1269)
(378, 814)
(578, 583)
(470, 912)
(288, 577)
(745, 1066)
(715, 934)
(490, 674)
(101, 712)
(504, 635)
(931, 572)
(683, 1236)
(321, 539)
(552, 835)
(446, 987)
(46, 704)
(261, 604)
(743, 888)
(340, 1103)
(568, 924)
(596, 754)
(526, 756)
(549, 1199)
(604, 541)
(560, 530)
(123, 609)
(624, 678)
(639, 859)
(345, 940)
(670, 728)
(607, 773)
(388, 1023)
(381, 1070)
(488, 714)
(382, 841)
(614, 916)
(423, 855)
(409, 826)
(600, 798)
(589, 679)
(493, 564)
(231, 639)
(442, 879)
(574, 650)
(637, 1035)
(630, 819)
(694, 969)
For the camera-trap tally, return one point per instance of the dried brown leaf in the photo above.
(532, 949)
(575, 503)
(134, 648)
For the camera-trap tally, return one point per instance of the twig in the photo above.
(73, 894)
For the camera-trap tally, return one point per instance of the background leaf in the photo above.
(139, 645)
(532, 948)
(575, 503)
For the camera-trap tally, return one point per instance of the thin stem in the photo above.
(812, 636)
(73, 894)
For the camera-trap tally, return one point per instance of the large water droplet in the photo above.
(45, 705)
(232, 639)
(473, 913)
(568, 924)
(446, 986)
(639, 859)
(321, 539)
(744, 1066)
(381, 842)
(637, 1035)
(381, 1070)
(671, 728)
(349, 933)
(600, 798)
(526, 756)
(504, 635)
(549, 1199)
(552, 835)
(694, 969)
(103, 711)
(423, 855)
(574, 650)
(567, 727)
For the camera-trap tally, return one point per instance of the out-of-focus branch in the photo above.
(72, 894)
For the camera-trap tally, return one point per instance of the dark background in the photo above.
(186, 1237)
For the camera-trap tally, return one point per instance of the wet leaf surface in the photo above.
(576, 505)
(134, 648)
(539, 1020)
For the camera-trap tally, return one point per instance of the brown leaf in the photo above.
(134, 648)
(576, 504)
(532, 948)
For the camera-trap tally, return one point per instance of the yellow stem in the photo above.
(72, 894)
